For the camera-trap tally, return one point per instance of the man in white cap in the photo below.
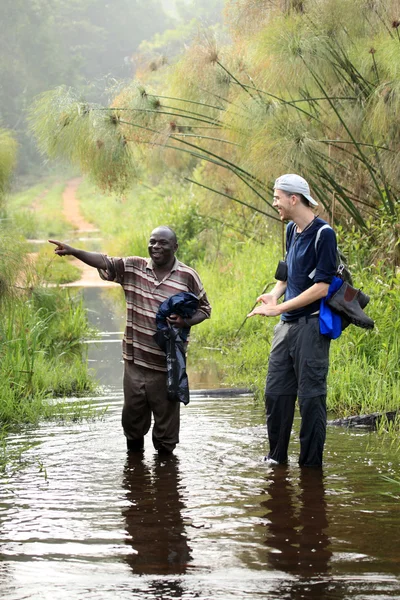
(299, 359)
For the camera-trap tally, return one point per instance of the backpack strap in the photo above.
(289, 237)
(326, 226)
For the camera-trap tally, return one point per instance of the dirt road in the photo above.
(72, 213)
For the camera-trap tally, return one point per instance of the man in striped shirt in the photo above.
(147, 282)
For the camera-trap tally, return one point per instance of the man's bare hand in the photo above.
(266, 310)
(177, 321)
(267, 299)
(62, 249)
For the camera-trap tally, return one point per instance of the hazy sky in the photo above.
(169, 6)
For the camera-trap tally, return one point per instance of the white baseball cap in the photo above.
(296, 185)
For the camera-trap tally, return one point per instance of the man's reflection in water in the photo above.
(154, 518)
(297, 536)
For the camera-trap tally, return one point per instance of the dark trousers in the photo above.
(280, 413)
(145, 394)
(298, 368)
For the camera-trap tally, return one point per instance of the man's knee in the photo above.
(313, 407)
(135, 421)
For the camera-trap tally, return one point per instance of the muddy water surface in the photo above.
(83, 520)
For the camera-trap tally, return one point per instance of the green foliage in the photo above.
(41, 333)
(86, 136)
(239, 273)
(49, 269)
(364, 376)
(24, 198)
(190, 228)
(383, 247)
(234, 280)
(126, 221)
(12, 265)
(41, 354)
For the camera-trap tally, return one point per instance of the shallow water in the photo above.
(80, 519)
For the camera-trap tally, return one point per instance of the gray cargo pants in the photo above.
(298, 367)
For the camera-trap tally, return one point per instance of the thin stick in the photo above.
(255, 304)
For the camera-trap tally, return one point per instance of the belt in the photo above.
(304, 319)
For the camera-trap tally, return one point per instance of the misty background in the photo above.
(91, 45)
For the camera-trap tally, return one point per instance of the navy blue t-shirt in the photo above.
(307, 266)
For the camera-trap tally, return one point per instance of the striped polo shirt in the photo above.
(143, 295)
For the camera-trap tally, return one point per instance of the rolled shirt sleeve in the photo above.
(114, 270)
(326, 257)
(204, 305)
(196, 287)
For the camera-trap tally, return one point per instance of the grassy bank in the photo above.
(41, 329)
(42, 355)
(364, 375)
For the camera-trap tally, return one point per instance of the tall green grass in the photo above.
(50, 269)
(41, 334)
(42, 355)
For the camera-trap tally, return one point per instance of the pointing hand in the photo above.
(62, 249)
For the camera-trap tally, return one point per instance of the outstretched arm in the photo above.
(93, 259)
